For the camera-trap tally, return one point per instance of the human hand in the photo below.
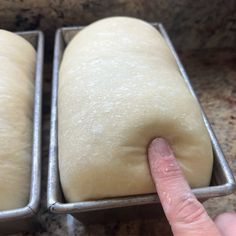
(185, 213)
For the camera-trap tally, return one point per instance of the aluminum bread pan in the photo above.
(222, 183)
(24, 219)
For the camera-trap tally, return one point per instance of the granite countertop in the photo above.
(213, 75)
(191, 24)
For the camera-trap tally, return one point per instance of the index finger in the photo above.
(181, 207)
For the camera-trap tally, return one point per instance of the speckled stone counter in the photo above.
(213, 74)
(191, 24)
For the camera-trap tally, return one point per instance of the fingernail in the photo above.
(162, 147)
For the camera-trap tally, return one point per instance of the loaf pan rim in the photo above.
(35, 187)
(56, 206)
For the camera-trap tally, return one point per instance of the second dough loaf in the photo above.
(17, 66)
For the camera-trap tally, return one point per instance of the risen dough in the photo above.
(17, 60)
(119, 87)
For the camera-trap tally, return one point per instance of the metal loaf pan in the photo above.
(130, 207)
(24, 219)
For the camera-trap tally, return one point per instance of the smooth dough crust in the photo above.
(119, 88)
(17, 62)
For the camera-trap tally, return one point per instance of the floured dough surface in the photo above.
(119, 88)
(17, 61)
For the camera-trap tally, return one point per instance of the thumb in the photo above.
(184, 212)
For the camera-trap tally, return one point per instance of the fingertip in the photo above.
(160, 147)
(161, 158)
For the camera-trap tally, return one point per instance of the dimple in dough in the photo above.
(17, 62)
(119, 88)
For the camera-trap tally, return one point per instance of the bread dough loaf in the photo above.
(119, 88)
(17, 60)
